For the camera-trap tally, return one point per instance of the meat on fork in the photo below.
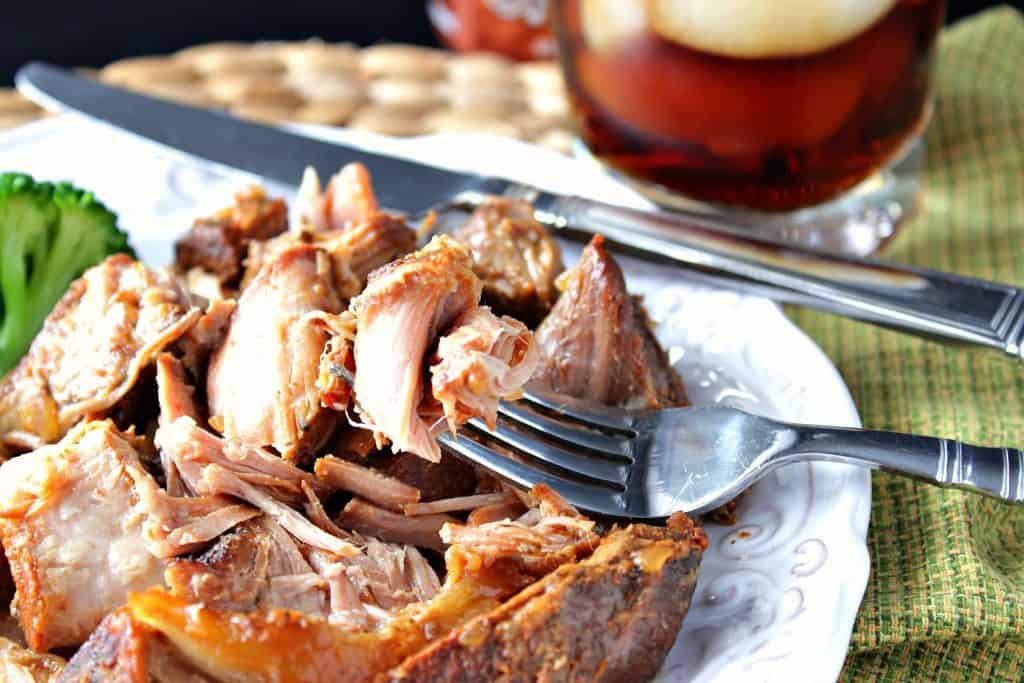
(108, 327)
(515, 257)
(482, 359)
(261, 383)
(406, 306)
(218, 244)
(597, 345)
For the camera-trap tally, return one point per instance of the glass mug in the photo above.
(756, 108)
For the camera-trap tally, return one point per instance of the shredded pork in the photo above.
(366, 482)
(216, 539)
(262, 380)
(111, 324)
(405, 308)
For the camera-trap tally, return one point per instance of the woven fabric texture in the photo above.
(945, 601)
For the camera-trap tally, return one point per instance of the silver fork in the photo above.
(649, 464)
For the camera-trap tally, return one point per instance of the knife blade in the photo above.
(919, 301)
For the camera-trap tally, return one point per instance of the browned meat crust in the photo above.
(611, 617)
(124, 650)
(116, 652)
(597, 344)
(218, 244)
(232, 572)
(515, 257)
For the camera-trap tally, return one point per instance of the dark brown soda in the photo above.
(770, 134)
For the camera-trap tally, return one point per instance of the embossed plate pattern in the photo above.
(778, 593)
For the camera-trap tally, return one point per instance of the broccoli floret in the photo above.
(50, 233)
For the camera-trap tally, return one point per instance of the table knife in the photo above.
(929, 303)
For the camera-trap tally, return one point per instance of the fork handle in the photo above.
(997, 472)
(928, 303)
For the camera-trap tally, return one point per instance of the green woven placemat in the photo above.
(945, 601)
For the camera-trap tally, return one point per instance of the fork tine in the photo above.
(599, 417)
(591, 467)
(564, 431)
(590, 497)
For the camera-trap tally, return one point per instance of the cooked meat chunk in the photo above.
(257, 565)
(368, 519)
(112, 323)
(347, 200)
(448, 478)
(406, 304)
(482, 359)
(540, 540)
(20, 665)
(355, 251)
(365, 481)
(83, 523)
(212, 466)
(515, 257)
(278, 645)
(346, 222)
(261, 384)
(636, 584)
(218, 244)
(405, 307)
(74, 533)
(611, 617)
(597, 344)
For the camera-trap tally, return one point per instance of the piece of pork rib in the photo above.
(218, 244)
(261, 383)
(515, 257)
(613, 616)
(597, 344)
(400, 316)
(108, 327)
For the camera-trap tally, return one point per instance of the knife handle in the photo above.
(929, 303)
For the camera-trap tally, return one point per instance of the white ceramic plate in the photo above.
(778, 593)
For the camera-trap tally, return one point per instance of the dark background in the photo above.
(94, 33)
